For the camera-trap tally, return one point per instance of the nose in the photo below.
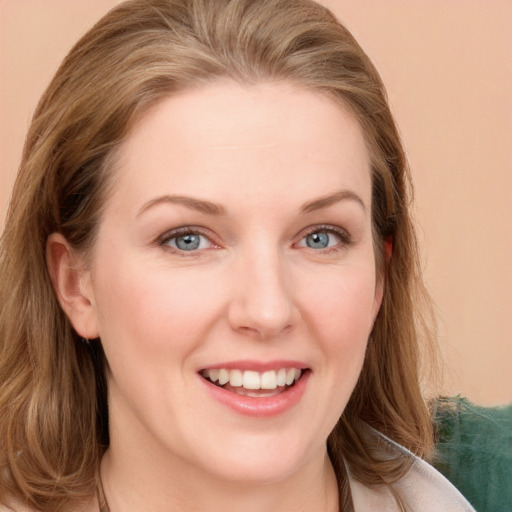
(262, 304)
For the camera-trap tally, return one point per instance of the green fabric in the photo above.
(474, 451)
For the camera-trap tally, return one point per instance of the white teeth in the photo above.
(252, 380)
(290, 376)
(214, 375)
(235, 378)
(269, 380)
(223, 376)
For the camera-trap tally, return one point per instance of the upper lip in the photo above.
(258, 366)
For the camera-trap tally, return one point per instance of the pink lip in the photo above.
(257, 366)
(263, 407)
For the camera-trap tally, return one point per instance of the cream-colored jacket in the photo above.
(422, 489)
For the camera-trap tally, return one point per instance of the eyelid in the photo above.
(163, 239)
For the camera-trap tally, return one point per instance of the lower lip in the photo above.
(263, 407)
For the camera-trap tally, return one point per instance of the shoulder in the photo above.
(424, 489)
(421, 489)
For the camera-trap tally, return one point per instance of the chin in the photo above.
(262, 472)
(263, 461)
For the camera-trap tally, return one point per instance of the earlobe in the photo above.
(72, 286)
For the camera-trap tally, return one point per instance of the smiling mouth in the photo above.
(252, 383)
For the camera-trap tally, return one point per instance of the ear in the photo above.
(72, 285)
(389, 248)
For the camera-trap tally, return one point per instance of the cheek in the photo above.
(152, 309)
(342, 304)
(341, 319)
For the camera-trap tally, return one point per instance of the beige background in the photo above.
(448, 68)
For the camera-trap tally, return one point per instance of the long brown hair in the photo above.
(53, 410)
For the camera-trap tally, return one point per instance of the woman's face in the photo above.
(236, 244)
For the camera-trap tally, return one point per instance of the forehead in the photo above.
(224, 138)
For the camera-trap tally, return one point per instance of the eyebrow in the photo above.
(210, 208)
(194, 204)
(326, 201)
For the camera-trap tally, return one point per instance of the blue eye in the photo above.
(323, 239)
(188, 242)
(318, 240)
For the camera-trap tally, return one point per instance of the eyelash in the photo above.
(164, 240)
(344, 236)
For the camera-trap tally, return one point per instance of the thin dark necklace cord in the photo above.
(101, 495)
(102, 501)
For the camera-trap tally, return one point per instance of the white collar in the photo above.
(422, 488)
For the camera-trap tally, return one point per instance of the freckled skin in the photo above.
(254, 289)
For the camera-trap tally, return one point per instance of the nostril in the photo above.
(261, 322)
(265, 332)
